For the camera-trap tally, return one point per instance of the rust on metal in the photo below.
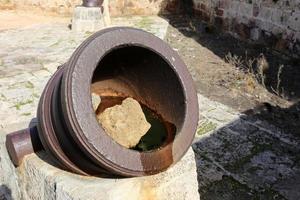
(115, 63)
(21, 143)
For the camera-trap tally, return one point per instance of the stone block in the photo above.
(234, 6)
(219, 11)
(245, 9)
(39, 178)
(255, 10)
(87, 19)
(276, 17)
(255, 33)
(294, 21)
(265, 13)
(224, 4)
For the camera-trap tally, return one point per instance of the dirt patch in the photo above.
(10, 19)
(247, 77)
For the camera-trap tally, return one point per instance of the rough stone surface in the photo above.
(244, 158)
(39, 178)
(125, 123)
(59, 6)
(116, 7)
(275, 23)
(87, 19)
(95, 101)
(142, 7)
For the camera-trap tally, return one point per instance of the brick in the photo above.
(223, 4)
(297, 36)
(219, 22)
(252, 23)
(255, 34)
(226, 24)
(206, 16)
(197, 13)
(281, 44)
(242, 30)
(172, 6)
(294, 21)
(255, 10)
(267, 3)
(245, 9)
(285, 17)
(277, 29)
(234, 5)
(265, 13)
(288, 35)
(219, 11)
(276, 16)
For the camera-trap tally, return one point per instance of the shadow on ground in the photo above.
(257, 155)
(272, 62)
(251, 158)
(5, 193)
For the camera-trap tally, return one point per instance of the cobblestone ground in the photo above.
(238, 156)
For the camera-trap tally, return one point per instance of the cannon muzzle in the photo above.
(114, 63)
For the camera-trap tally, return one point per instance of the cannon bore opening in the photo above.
(141, 74)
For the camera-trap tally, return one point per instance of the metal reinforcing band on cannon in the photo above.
(120, 62)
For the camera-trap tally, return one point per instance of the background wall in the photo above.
(117, 7)
(64, 7)
(142, 7)
(274, 22)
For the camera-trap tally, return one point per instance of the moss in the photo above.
(29, 85)
(246, 159)
(19, 104)
(26, 114)
(35, 95)
(25, 60)
(229, 188)
(206, 127)
(26, 84)
(3, 97)
(56, 43)
(144, 23)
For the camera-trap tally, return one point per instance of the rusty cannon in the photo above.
(92, 3)
(115, 63)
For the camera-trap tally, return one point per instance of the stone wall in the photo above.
(142, 7)
(273, 22)
(63, 7)
(116, 7)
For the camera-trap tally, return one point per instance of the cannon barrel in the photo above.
(92, 3)
(114, 63)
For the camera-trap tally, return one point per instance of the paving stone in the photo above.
(87, 19)
(34, 59)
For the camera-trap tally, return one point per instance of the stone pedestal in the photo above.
(89, 19)
(39, 178)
